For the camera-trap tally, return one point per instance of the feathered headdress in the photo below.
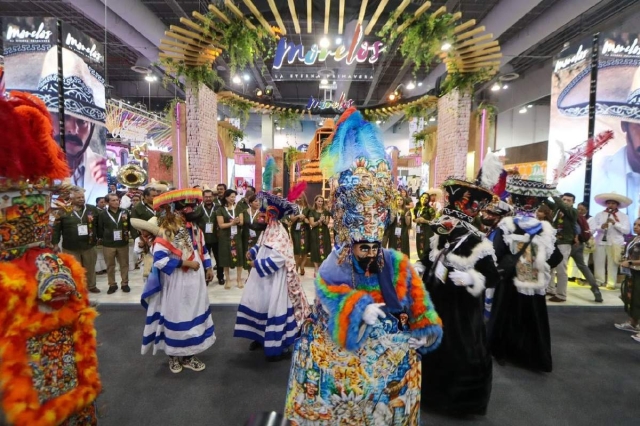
(270, 170)
(579, 153)
(296, 191)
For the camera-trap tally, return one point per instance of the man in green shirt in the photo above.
(564, 221)
(114, 230)
(144, 209)
(77, 229)
(209, 226)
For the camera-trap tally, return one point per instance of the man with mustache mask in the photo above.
(179, 294)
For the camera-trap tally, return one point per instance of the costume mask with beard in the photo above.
(188, 211)
(369, 265)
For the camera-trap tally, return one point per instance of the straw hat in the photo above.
(612, 196)
(150, 225)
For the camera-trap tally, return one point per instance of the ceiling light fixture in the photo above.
(324, 42)
(445, 46)
(529, 106)
(150, 78)
(419, 83)
(432, 119)
(246, 77)
(324, 81)
(505, 87)
(523, 110)
(338, 40)
(378, 122)
(236, 80)
(392, 97)
(411, 85)
(495, 87)
(258, 92)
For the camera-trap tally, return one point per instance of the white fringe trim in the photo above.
(483, 249)
(477, 287)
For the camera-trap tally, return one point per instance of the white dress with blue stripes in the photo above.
(178, 313)
(266, 314)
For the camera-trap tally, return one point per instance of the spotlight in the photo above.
(529, 106)
(236, 80)
(268, 91)
(324, 42)
(523, 110)
(246, 77)
(378, 122)
(495, 87)
(419, 84)
(432, 119)
(150, 78)
(505, 87)
(324, 81)
(392, 97)
(278, 128)
(411, 85)
(338, 40)
(445, 46)
(258, 92)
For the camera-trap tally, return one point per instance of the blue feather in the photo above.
(270, 170)
(354, 137)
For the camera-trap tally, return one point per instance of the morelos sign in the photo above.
(358, 50)
(340, 105)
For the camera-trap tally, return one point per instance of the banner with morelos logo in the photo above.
(36, 50)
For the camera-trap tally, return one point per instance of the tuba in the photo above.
(132, 176)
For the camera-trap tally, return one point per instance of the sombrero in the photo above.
(620, 199)
(187, 196)
(84, 93)
(150, 225)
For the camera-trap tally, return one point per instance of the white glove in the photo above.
(425, 341)
(461, 278)
(372, 312)
(419, 267)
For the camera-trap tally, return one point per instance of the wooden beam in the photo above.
(233, 8)
(219, 14)
(470, 33)
(294, 16)
(470, 23)
(205, 21)
(186, 53)
(400, 9)
(474, 41)
(327, 11)
(180, 45)
(415, 16)
(196, 36)
(477, 47)
(363, 10)
(481, 52)
(341, 18)
(375, 16)
(309, 10)
(276, 14)
(440, 11)
(467, 62)
(252, 7)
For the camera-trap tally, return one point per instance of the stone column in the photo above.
(454, 112)
(203, 153)
(267, 132)
(179, 147)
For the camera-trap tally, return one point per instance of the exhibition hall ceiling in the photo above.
(374, 81)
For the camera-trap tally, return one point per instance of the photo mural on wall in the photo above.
(32, 62)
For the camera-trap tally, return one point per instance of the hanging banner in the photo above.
(32, 64)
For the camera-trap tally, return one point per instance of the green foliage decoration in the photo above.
(166, 160)
(464, 82)
(286, 118)
(237, 136)
(492, 111)
(193, 76)
(238, 107)
(289, 155)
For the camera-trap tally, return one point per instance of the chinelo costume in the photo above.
(358, 362)
(459, 265)
(273, 303)
(48, 362)
(178, 314)
(518, 329)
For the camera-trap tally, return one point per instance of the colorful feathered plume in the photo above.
(296, 191)
(270, 170)
(354, 137)
(489, 174)
(579, 153)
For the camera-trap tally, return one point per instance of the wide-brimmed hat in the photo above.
(151, 225)
(186, 196)
(499, 207)
(528, 195)
(618, 91)
(464, 200)
(612, 196)
(84, 93)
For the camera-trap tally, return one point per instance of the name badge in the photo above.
(208, 229)
(83, 230)
(252, 233)
(117, 235)
(234, 230)
(398, 231)
(441, 272)
(298, 226)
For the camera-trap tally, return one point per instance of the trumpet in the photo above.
(132, 176)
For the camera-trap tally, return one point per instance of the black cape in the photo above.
(456, 378)
(518, 328)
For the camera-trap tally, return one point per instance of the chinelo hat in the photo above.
(618, 91)
(612, 196)
(84, 93)
(151, 225)
(528, 195)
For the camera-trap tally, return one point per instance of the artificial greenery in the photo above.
(289, 155)
(170, 110)
(492, 111)
(286, 118)
(238, 107)
(236, 135)
(463, 81)
(241, 44)
(418, 111)
(375, 115)
(420, 137)
(422, 39)
(166, 160)
(193, 75)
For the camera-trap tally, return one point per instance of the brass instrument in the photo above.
(132, 176)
